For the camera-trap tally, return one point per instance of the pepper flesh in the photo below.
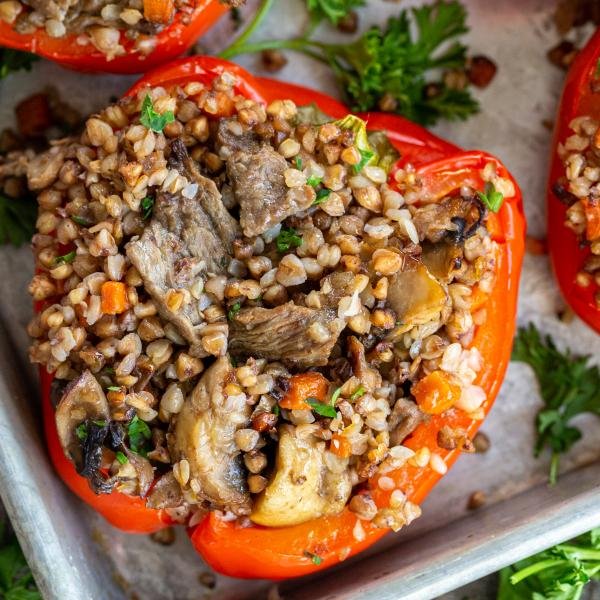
(278, 553)
(171, 42)
(567, 254)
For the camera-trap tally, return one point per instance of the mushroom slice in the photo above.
(166, 493)
(82, 401)
(309, 482)
(416, 296)
(204, 436)
(138, 475)
(443, 259)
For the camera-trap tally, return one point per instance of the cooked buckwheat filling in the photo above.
(580, 189)
(235, 293)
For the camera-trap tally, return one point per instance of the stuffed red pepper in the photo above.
(267, 318)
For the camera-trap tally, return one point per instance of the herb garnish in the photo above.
(365, 157)
(121, 457)
(332, 10)
(17, 219)
(139, 433)
(335, 396)
(315, 558)
(322, 196)
(287, 238)
(491, 198)
(561, 572)
(80, 220)
(325, 410)
(81, 431)
(360, 391)
(568, 386)
(298, 163)
(65, 259)
(14, 60)
(147, 205)
(401, 60)
(151, 119)
(16, 580)
(113, 388)
(234, 310)
(314, 180)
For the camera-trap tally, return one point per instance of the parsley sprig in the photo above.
(151, 119)
(139, 434)
(288, 238)
(17, 219)
(16, 580)
(568, 386)
(491, 197)
(332, 10)
(400, 61)
(14, 60)
(561, 572)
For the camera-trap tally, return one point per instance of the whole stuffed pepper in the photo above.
(266, 318)
(126, 37)
(573, 189)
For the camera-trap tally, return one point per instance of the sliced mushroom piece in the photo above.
(443, 259)
(416, 296)
(83, 401)
(204, 436)
(309, 482)
(166, 493)
(369, 377)
(144, 473)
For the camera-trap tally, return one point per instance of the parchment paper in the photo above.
(516, 34)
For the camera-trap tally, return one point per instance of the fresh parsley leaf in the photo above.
(147, 206)
(14, 60)
(492, 198)
(332, 10)
(325, 410)
(322, 196)
(365, 157)
(314, 180)
(315, 558)
(360, 391)
(568, 386)
(80, 221)
(100, 423)
(121, 457)
(151, 119)
(65, 259)
(287, 238)
(560, 573)
(139, 433)
(298, 163)
(335, 396)
(276, 410)
(234, 310)
(17, 219)
(16, 580)
(81, 431)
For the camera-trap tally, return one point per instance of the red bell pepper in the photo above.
(579, 98)
(275, 553)
(171, 42)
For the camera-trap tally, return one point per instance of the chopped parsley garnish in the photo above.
(365, 157)
(276, 410)
(81, 431)
(14, 60)
(147, 205)
(314, 180)
(332, 10)
(80, 221)
(288, 238)
(139, 433)
(17, 219)
(404, 60)
(151, 119)
(360, 391)
(335, 396)
(315, 558)
(325, 410)
(568, 387)
(234, 310)
(65, 258)
(298, 163)
(99, 423)
(322, 196)
(121, 457)
(491, 198)
(113, 388)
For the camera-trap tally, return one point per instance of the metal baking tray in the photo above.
(75, 555)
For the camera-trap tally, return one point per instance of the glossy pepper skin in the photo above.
(566, 252)
(262, 552)
(173, 41)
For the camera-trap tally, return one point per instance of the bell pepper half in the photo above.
(579, 98)
(171, 42)
(277, 553)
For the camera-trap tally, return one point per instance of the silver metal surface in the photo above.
(76, 556)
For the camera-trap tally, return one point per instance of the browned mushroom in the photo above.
(309, 482)
(166, 493)
(443, 259)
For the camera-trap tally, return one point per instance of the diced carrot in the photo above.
(303, 386)
(159, 11)
(340, 445)
(435, 393)
(114, 298)
(592, 216)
